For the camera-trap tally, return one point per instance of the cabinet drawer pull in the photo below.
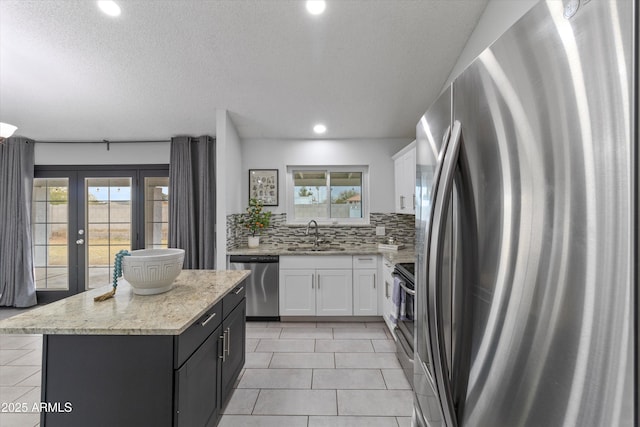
(208, 319)
(374, 282)
(239, 290)
(365, 259)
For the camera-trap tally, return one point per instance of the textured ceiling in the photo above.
(366, 68)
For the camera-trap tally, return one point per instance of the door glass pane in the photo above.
(108, 225)
(50, 228)
(156, 212)
(346, 194)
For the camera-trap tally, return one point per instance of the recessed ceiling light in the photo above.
(109, 7)
(316, 7)
(319, 128)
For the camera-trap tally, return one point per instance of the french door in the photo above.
(82, 217)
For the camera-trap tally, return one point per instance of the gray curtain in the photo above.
(192, 200)
(17, 284)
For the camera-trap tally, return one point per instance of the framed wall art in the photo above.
(263, 185)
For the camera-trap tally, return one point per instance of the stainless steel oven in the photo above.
(405, 300)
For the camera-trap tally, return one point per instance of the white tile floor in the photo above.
(20, 363)
(307, 374)
(316, 374)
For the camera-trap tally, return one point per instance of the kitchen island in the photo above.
(162, 360)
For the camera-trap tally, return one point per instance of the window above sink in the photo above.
(337, 195)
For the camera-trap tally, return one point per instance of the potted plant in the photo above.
(256, 220)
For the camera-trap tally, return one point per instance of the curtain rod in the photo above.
(104, 141)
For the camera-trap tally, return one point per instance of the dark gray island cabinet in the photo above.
(145, 377)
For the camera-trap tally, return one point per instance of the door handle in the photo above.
(229, 341)
(407, 290)
(435, 244)
(223, 337)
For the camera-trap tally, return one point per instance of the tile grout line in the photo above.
(253, 408)
(384, 380)
(313, 370)
(24, 394)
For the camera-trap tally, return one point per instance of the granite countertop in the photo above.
(169, 313)
(402, 255)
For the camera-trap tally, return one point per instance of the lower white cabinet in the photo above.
(297, 292)
(365, 286)
(388, 307)
(365, 294)
(328, 286)
(315, 292)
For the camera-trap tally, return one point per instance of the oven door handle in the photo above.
(406, 289)
(436, 240)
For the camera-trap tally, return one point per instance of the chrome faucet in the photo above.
(316, 243)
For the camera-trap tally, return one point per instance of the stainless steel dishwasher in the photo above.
(261, 285)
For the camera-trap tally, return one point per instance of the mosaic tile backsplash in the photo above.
(399, 226)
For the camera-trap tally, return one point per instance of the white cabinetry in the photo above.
(329, 285)
(316, 286)
(387, 294)
(297, 292)
(334, 293)
(405, 179)
(365, 293)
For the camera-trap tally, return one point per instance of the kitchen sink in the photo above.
(313, 249)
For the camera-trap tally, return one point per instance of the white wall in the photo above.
(498, 17)
(278, 154)
(228, 180)
(96, 153)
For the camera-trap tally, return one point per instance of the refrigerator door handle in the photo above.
(435, 260)
(434, 196)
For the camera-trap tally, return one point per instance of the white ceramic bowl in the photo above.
(152, 271)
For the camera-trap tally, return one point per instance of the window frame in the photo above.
(365, 202)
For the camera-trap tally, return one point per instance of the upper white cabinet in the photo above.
(405, 179)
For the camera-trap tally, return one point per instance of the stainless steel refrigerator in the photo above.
(527, 228)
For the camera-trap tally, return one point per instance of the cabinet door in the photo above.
(409, 179)
(234, 333)
(365, 292)
(388, 307)
(196, 391)
(297, 293)
(334, 295)
(405, 184)
(399, 175)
